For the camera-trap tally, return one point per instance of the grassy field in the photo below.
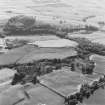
(47, 53)
(66, 82)
(100, 63)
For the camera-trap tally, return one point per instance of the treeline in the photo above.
(87, 47)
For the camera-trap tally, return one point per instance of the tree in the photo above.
(19, 24)
(17, 78)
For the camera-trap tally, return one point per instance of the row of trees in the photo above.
(86, 91)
